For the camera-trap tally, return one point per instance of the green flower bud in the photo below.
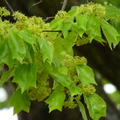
(61, 14)
(70, 104)
(88, 89)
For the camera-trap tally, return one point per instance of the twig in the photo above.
(51, 31)
(54, 30)
(9, 6)
(48, 18)
(35, 4)
(64, 5)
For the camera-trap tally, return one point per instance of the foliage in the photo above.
(37, 53)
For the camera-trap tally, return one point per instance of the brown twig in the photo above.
(64, 5)
(51, 30)
(54, 30)
(12, 11)
(35, 4)
(62, 9)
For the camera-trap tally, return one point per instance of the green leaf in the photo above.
(72, 12)
(79, 30)
(25, 76)
(27, 37)
(63, 80)
(56, 24)
(93, 27)
(30, 53)
(66, 26)
(63, 70)
(46, 50)
(6, 76)
(99, 39)
(95, 105)
(69, 41)
(56, 100)
(85, 74)
(58, 47)
(16, 45)
(20, 101)
(110, 33)
(82, 110)
(82, 20)
(5, 54)
(74, 90)
(112, 12)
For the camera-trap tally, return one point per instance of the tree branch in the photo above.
(35, 4)
(51, 31)
(64, 5)
(62, 9)
(54, 30)
(48, 18)
(12, 11)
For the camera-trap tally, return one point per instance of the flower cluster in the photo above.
(42, 90)
(70, 62)
(33, 23)
(4, 12)
(97, 9)
(70, 104)
(88, 89)
(4, 25)
(61, 14)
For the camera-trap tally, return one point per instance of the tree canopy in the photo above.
(61, 59)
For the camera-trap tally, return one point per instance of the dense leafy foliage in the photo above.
(38, 54)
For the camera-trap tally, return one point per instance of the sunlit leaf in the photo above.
(20, 101)
(56, 100)
(85, 74)
(16, 45)
(82, 110)
(5, 54)
(25, 76)
(82, 20)
(93, 27)
(96, 106)
(110, 33)
(63, 70)
(74, 90)
(56, 24)
(65, 28)
(6, 76)
(99, 39)
(69, 42)
(79, 30)
(26, 36)
(64, 80)
(58, 47)
(72, 11)
(46, 50)
(112, 12)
